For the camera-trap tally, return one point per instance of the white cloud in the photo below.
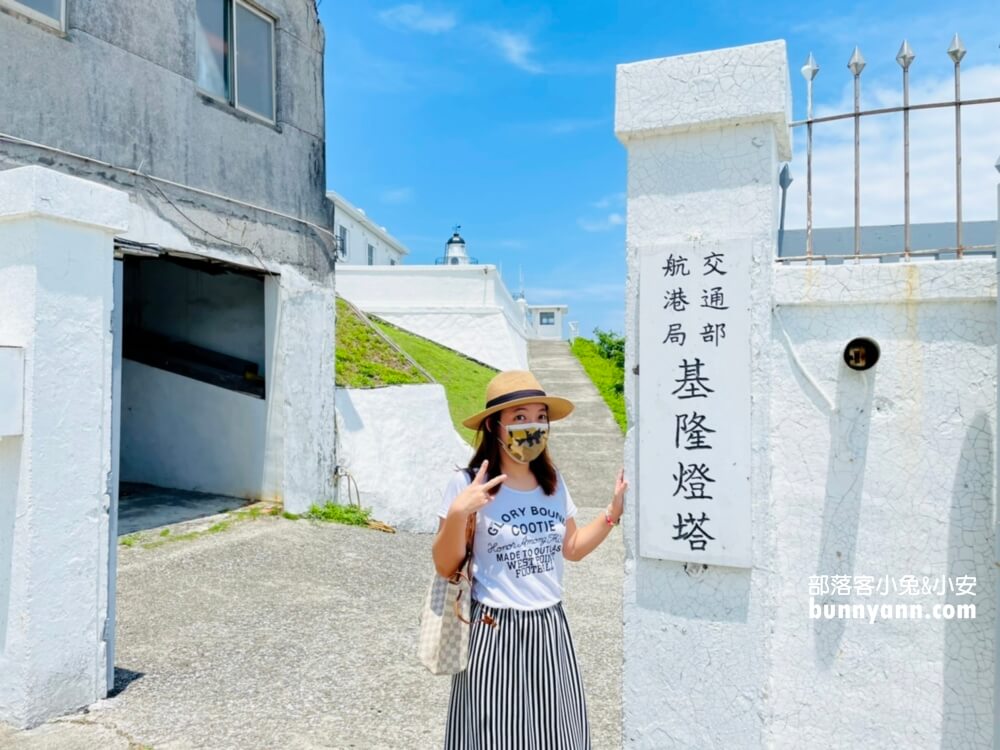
(604, 224)
(932, 155)
(516, 48)
(416, 17)
(396, 196)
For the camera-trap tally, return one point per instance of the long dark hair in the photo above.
(488, 448)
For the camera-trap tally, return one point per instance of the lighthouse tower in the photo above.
(454, 250)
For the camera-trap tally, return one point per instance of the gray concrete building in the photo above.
(203, 121)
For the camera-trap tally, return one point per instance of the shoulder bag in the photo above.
(444, 621)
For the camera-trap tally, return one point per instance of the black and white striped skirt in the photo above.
(522, 688)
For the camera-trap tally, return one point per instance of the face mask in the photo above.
(525, 442)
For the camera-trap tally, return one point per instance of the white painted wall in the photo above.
(467, 308)
(362, 232)
(11, 391)
(300, 454)
(56, 294)
(401, 447)
(56, 298)
(552, 332)
(885, 472)
(702, 162)
(183, 433)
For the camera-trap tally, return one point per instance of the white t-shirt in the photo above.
(517, 558)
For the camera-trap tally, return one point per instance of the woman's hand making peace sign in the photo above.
(477, 493)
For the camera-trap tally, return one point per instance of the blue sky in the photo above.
(499, 117)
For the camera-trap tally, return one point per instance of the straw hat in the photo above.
(516, 387)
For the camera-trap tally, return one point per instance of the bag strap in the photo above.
(470, 538)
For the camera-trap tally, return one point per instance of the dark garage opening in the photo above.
(193, 376)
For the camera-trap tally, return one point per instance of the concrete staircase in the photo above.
(587, 447)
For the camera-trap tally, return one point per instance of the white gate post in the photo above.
(56, 296)
(705, 135)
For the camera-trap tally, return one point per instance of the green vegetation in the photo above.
(152, 540)
(351, 515)
(464, 380)
(604, 361)
(365, 359)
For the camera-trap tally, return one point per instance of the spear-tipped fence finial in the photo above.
(857, 62)
(905, 55)
(957, 50)
(785, 177)
(810, 69)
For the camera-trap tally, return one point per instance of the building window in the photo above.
(392, 261)
(342, 236)
(235, 55)
(50, 12)
(547, 318)
(371, 255)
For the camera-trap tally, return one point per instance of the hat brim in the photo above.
(559, 408)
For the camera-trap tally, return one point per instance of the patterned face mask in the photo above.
(525, 442)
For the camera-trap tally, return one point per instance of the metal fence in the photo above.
(856, 65)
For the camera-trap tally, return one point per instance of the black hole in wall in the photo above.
(861, 353)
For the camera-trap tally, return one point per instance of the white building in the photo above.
(362, 242)
(546, 321)
(456, 303)
(166, 300)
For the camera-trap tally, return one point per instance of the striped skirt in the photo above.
(522, 688)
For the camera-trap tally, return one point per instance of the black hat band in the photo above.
(514, 396)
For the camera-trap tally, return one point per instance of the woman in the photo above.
(522, 686)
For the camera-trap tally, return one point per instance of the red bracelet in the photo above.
(607, 517)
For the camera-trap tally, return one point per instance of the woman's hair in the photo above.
(488, 448)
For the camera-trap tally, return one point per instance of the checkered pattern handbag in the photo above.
(444, 620)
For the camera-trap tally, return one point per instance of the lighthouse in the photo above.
(454, 250)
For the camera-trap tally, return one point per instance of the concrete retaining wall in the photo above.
(466, 308)
(401, 447)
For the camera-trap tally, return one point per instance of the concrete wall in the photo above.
(183, 433)
(698, 645)
(401, 447)
(56, 296)
(122, 79)
(362, 232)
(886, 472)
(223, 312)
(466, 308)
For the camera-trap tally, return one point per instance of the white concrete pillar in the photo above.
(56, 297)
(301, 423)
(705, 134)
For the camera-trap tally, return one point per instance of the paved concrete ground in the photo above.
(145, 506)
(294, 634)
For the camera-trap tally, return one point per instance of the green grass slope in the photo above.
(607, 375)
(365, 359)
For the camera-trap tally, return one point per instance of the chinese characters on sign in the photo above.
(694, 402)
